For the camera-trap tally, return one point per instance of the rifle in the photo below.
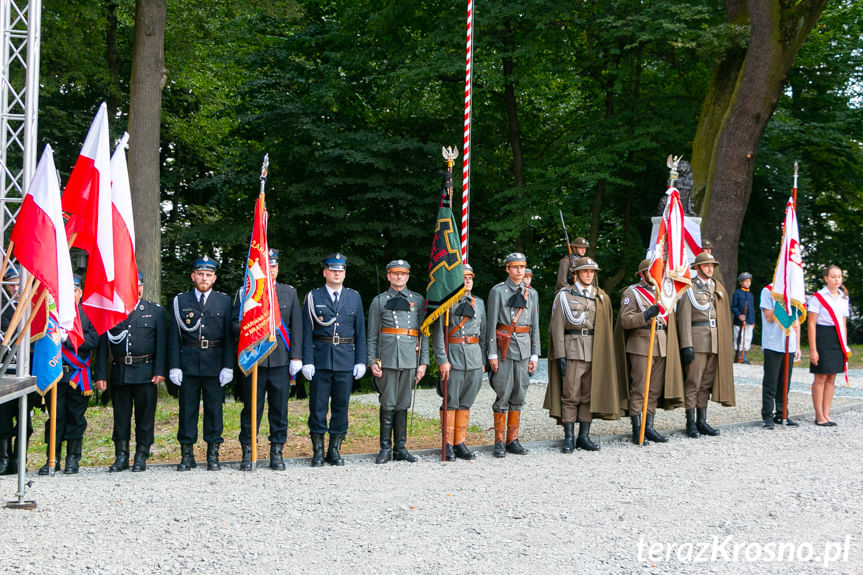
(741, 337)
(566, 235)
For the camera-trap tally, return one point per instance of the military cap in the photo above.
(205, 263)
(11, 273)
(273, 256)
(515, 258)
(140, 279)
(706, 245)
(335, 261)
(399, 266)
(467, 269)
(744, 276)
(528, 272)
(643, 266)
(704, 258)
(76, 279)
(580, 242)
(585, 264)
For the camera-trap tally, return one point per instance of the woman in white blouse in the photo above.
(828, 341)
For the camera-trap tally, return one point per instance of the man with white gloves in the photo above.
(334, 354)
(201, 354)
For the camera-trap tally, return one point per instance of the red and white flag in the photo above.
(669, 268)
(106, 312)
(40, 240)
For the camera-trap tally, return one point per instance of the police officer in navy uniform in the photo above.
(137, 348)
(334, 354)
(274, 372)
(201, 354)
(71, 398)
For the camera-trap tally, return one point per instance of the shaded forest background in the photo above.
(576, 106)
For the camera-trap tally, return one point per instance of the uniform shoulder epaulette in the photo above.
(351, 290)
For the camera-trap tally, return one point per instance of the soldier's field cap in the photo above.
(205, 263)
(528, 272)
(643, 266)
(140, 279)
(704, 258)
(586, 264)
(515, 258)
(706, 245)
(399, 266)
(273, 256)
(76, 279)
(335, 262)
(11, 273)
(744, 276)
(580, 242)
(468, 271)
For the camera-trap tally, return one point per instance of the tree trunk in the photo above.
(744, 91)
(145, 106)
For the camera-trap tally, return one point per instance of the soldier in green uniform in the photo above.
(460, 349)
(398, 355)
(513, 351)
(703, 325)
(579, 250)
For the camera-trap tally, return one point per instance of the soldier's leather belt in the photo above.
(400, 331)
(466, 339)
(517, 329)
(659, 327)
(578, 332)
(335, 340)
(133, 359)
(711, 323)
(204, 343)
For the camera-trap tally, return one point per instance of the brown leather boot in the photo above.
(499, 434)
(461, 451)
(512, 444)
(449, 432)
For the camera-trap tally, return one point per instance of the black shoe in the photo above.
(449, 453)
(213, 457)
(462, 452)
(400, 431)
(650, 433)
(788, 422)
(277, 462)
(318, 449)
(702, 425)
(187, 457)
(334, 451)
(5, 456)
(767, 424)
(829, 424)
(568, 445)
(691, 428)
(121, 457)
(246, 462)
(636, 429)
(386, 418)
(515, 447)
(403, 455)
(499, 449)
(140, 463)
(73, 456)
(583, 441)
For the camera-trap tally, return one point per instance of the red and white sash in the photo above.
(651, 299)
(839, 331)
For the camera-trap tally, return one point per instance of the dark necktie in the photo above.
(517, 300)
(336, 298)
(464, 309)
(397, 303)
(202, 300)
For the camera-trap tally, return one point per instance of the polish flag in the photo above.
(106, 312)
(40, 240)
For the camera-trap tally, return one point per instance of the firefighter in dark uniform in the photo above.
(274, 372)
(201, 354)
(9, 410)
(398, 355)
(334, 354)
(73, 393)
(137, 348)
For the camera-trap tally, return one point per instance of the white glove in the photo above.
(296, 366)
(359, 370)
(64, 335)
(534, 358)
(225, 376)
(176, 376)
(309, 371)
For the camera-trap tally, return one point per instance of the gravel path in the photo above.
(617, 511)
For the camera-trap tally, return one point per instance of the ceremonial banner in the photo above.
(669, 269)
(46, 361)
(789, 290)
(446, 275)
(259, 311)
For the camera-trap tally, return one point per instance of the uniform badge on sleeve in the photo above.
(626, 300)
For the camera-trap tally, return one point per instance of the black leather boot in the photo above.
(701, 423)
(317, 449)
(650, 433)
(334, 456)
(462, 452)
(568, 438)
(636, 429)
(246, 462)
(57, 453)
(142, 452)
(583, 441)
(213, 457)
(400, 434)
(121, 456)
(5, 455)
(277, 462)
(73, 456)
(691, 428)
(386, 438)
(187, 457)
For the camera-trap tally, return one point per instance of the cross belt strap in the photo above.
(400, 331)
(466, 339)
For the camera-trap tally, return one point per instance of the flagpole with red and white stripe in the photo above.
(465, 171)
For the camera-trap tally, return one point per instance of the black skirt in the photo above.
(831, 357)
